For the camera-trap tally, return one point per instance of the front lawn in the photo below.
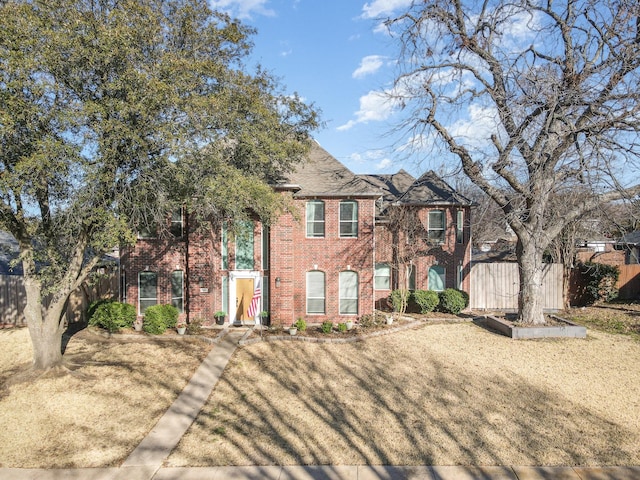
(622, 318)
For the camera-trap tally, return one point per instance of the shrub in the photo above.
(170, 315)
(158, 318)
(400, 300)
(153, 320)
(601, 281)
(451, 301)
(300, 324)
(367, 321)
(112, 316)
(342, 327)
(427, 300)
(326, 327)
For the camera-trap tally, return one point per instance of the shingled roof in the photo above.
(430, 189)
(321, 175)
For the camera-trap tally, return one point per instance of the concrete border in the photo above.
(569, 330)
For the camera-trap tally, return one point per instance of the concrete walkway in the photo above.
(146, 460)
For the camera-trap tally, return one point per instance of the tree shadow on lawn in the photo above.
(95, 418)
(372, 404)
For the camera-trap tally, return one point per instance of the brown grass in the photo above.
(97, 416)
(441, 394)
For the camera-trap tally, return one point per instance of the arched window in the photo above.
(315, 292)
(436, 278)
(348, 293)
(147, 290)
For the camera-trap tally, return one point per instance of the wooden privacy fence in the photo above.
(495, 286)
(13, 298)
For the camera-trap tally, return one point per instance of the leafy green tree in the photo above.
(535, 100)
(114, 112)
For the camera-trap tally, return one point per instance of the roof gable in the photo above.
(321, 175)
(430, 189)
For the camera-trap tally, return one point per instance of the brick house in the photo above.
(336, 256)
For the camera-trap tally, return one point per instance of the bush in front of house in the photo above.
(158, 318)
(326, 327)
(400, 300)
(452, 301)
(112, 316)
(427, 300)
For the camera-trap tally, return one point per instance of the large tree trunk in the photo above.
(45, 328)
(530, 298)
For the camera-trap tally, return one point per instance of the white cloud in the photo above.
(368, 66)
(375, 106)
(477, 128)
(242, 8)
(378, 8)
(384, 164)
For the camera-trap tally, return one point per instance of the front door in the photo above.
(244, 293)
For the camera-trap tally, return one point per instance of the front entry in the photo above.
(244, 293)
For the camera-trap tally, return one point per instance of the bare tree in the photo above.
(536, 99)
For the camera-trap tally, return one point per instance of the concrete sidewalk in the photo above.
(359, 472)
(146, 460)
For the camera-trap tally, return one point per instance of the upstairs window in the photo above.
(244, 246)
(177, 223)
(315, 218)
(460, 226)
(349, 218)
(436, 226)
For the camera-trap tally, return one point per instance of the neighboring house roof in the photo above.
(631, 238)
(321, 175)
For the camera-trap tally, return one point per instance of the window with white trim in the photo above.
(460, 226)
(348, 293)
(315, 218)
(315, 292)
(437, 280)
(147, 290)
(177, 223)
(348, 218)
(436, 226)
(177, 290)
(382, 278)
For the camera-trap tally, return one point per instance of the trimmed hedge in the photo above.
(452, 301)
(158, 318)
(400, 300)
(111, 316)
(427, 300)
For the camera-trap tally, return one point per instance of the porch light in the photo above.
(201, 282)
(277, 282)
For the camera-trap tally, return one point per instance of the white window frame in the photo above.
(377, 275)
(345, 298)
(141, 298)
(312, 221)
(441, 237)
(460, 226)
(353, 222)
(174, 299)
(324, 292)
(442, 276)
(177, 223)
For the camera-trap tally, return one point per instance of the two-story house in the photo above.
(348, 241)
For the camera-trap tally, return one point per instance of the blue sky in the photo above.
(334, 54)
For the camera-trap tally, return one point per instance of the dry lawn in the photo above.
(96, 416)
(441, 394)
